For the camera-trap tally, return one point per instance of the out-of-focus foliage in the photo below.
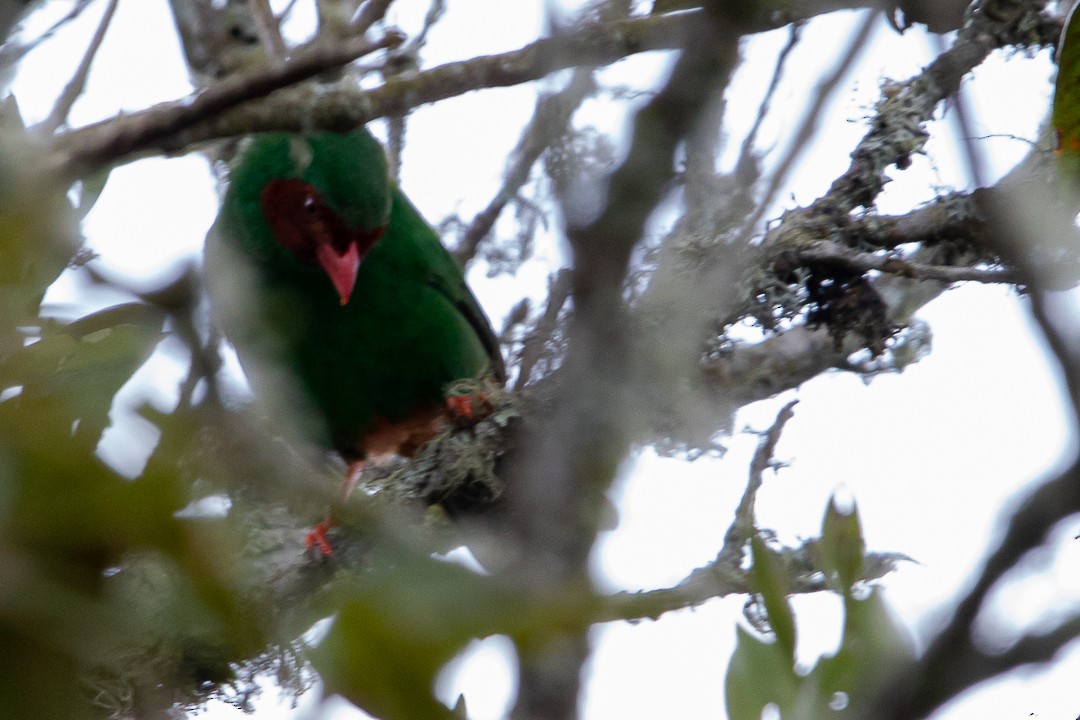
(37, 233)
(763, 671)
(394, 632)
(95, 569)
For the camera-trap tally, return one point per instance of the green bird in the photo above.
(1065, 115)
(327, 280)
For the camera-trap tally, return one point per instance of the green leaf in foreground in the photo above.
(398, 628)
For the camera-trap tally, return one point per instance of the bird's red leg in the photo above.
(317, 537)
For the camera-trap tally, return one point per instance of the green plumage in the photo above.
(1065, 115)
(410, 327)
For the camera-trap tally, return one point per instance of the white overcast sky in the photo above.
(933, 457)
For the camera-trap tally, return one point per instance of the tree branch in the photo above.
(952, 663)
(98, 145)
(743, 526)
(569, 462)
(899, 130)
(171, 127)
(832, 253)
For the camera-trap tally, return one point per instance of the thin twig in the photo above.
(742, 527)
(747, 149)
(832, 253)
(534, 346)
(962, 118)
(822, 95)
(11, 54)
(287, 12)
(549, 122)
(75, 86)
(372, 12)
(269, 30)
(436, 9)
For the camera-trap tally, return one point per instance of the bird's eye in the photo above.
(310, 205)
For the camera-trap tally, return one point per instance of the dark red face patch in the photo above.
(306, 226)
(301, 220)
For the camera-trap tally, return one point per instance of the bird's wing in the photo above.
(465, 303)
(441, 272)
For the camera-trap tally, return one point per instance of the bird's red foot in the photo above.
(466, 410)
(317, 540)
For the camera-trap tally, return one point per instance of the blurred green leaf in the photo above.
(1066, 112)
(63, 501)
(382, 666)
(842, 546)
(769, 579)
(873, 639)
(871, 650)
(38, 232)
(107, 581)
(90, 190)
(1065, 115)
(65, 519)
(77, 370)
(759, 673)
(397, 630)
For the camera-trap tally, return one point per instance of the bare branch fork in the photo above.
(725, 575)
(906, 108)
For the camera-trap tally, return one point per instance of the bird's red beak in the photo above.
(341, 268)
